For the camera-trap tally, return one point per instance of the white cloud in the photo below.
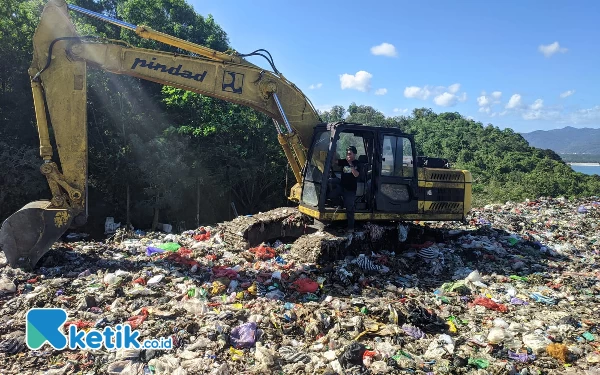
(361, 81)
(417, 92)
(384, 49)
(514, 102)
(401, 110)
(453, 89)
(551, 49)
(442, 96)
(535, 112)
(445, 100)
(381, 91)
(538, 111)
(584, 116)
(538, 104)
(485, 102)
(567, 93)
(494, 114)
(317, 86)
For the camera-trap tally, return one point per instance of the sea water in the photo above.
(587, 169)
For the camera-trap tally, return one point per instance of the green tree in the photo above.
(335, 114)
(365, 114)
(241, 144)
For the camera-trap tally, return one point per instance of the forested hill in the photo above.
(567, 140)
(171, 156)
(503, 164)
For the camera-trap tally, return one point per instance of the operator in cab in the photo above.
(346, 188)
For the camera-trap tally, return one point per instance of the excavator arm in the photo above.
(58, 80)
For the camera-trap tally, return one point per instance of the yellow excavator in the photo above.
(394, 184)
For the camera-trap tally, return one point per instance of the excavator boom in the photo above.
(58, 80)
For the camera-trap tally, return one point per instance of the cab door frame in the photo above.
(395, 193)
(335, 130)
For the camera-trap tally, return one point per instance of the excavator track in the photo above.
(249, 231)
(312, 245)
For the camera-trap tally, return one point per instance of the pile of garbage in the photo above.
(514, 290)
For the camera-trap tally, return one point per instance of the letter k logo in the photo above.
(44, 325)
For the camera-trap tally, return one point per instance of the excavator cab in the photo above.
(387, 182)
(394, 183)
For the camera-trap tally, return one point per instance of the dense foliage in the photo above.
(155, 150)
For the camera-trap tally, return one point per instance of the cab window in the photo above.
(397, 157)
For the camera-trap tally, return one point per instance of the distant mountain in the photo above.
(567, 140)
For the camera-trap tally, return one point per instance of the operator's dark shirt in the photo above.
(349, 182)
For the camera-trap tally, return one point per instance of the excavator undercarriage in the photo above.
(316, 242)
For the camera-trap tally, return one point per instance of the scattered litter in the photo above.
(512, 290)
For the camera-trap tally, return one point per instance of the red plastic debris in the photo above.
(203, 236)
(263, 252)
(483, 301)
(135, 321)
(222, 271)
(211, 257)
(369, 353)
(305, 285)
(181, 259)
(184, 251)
(79, 324)
(33, 281)
(139, 280)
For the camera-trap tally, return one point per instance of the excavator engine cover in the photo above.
(29, 233)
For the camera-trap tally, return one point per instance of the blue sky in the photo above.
(526, 65)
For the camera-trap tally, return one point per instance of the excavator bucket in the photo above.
(29, 233)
